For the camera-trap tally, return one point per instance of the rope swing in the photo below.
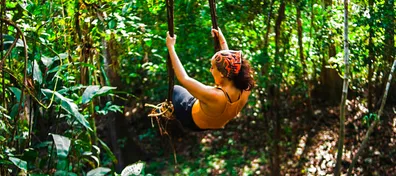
(212, 6)
(171, 73)
(165, 109)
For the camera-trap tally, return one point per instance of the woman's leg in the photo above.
(182, 102)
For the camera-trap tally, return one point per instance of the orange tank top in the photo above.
(206, 120)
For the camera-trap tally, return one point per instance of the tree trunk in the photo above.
(302, 59)
(281, 15)
(371, 60)
(264, 70)
(277, 79)
(337, 169)
(331, 83)
(389, 31)
(269, 17)
(2, 62)
(389, 48)
(312, 27)
(375, 123)
(117, 124)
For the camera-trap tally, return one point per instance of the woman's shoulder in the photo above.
(216, 94)
(246, 94)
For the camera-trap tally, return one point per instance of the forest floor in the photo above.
(307, 147)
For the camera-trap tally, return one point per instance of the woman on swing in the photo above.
(200, 107)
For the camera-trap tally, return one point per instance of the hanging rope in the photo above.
(212, 5)
(171, 73)
(164, 110)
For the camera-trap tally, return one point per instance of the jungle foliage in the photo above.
(74, 76)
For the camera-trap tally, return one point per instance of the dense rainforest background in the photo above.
(75, 76)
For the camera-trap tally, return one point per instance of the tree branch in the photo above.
(2, 61)
(25, 67)
(11, 23)
(344, 93)
(375, 123)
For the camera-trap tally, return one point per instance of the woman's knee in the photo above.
(177, 88)
(176, 92)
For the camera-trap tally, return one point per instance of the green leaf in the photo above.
(11, 4)
(114, 108)
(69, 106)
(62, 145)
(63, 173)
(30, 154)
(62, 56)
(96, 159)
(2, 109)
(93, 91)
(112, 24)
(134, 75)
(8, 40)
(3, 112)
(69, 89)
(92, 160)
(14, 110)
(3, 126)
(105, 90)
(107, 149)
(62, 164)
(104, 73)
(107, 108)
(89, 93)
(37, 75)
(43, 144)
(148, 41)
(21, 164)
(99, 171)
(23, 4)
(66, 65)
(126, 7)
(96, 149)
(16, 92)
(5, 162)
(47, 61)
(58, 68)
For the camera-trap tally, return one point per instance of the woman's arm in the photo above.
(198, 90)
(222, 40)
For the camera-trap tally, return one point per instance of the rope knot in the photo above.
(163, 110)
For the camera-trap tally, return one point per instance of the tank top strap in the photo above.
(229, 98)
(225, 93)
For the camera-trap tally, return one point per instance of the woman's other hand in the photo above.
(217, 32)
(223, 43)
(170, 41)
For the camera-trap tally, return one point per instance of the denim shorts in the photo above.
(183, 102)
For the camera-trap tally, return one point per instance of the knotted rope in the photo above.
(162, 110)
